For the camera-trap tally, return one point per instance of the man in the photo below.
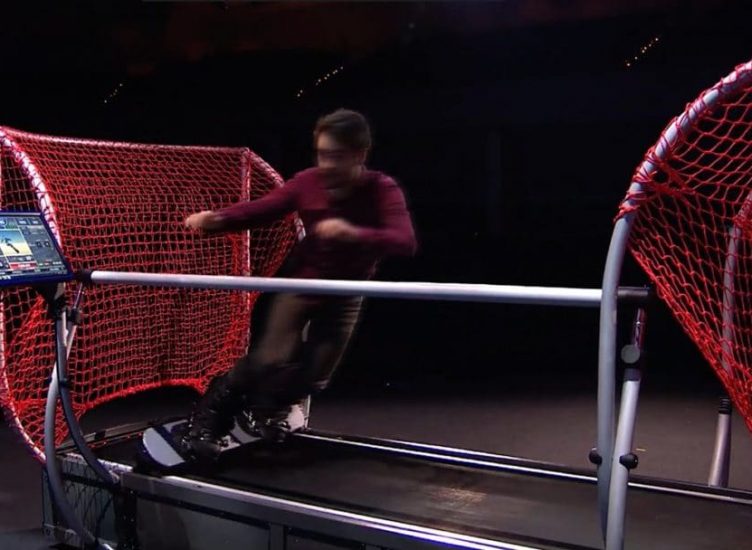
(353, 217)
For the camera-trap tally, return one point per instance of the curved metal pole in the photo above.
(60, 375)
(51, 466)
(607, 361)
(53, 469)
(54, 477)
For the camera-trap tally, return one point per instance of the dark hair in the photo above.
(350, 128)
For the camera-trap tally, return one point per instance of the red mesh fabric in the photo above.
(692, 227)
(121, 206)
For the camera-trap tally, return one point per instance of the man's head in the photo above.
(342, 140)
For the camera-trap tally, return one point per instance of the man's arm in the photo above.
(246, 214)
(270, 207)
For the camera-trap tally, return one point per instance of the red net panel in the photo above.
(119, 206)
(692, 231)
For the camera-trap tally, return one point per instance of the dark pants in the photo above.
(282, 369)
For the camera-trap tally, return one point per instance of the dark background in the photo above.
(514, 128)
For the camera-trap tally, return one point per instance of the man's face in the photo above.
(341, 165)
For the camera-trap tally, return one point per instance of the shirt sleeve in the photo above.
(395, 235)
(272, 206)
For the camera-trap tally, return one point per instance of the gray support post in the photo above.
(721, 464)
(624, 459)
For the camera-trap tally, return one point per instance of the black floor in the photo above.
(674, 437)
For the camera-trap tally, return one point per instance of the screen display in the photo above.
(28, 251)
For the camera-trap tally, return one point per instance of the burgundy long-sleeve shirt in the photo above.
(375, 205)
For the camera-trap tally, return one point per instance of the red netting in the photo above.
(119, 206)
(692, 230)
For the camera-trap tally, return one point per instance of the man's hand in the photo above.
(204, 221)
(336, 228)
